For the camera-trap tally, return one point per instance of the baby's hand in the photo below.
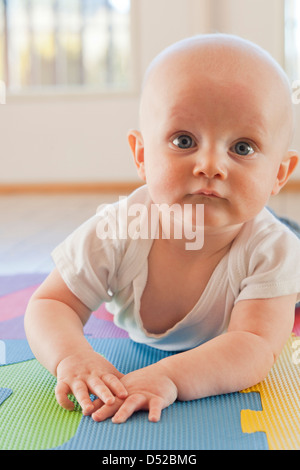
(149, 388)
(82, 374)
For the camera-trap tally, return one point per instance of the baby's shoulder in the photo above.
(265, 240)
(265, 228)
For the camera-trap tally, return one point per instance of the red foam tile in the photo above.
(296, 328)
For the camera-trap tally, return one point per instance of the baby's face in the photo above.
(215, 127)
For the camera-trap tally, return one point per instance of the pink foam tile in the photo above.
(14, 305)
(15, 282)
(103, 314)
(296, 329)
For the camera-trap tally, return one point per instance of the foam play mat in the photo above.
(263, 417)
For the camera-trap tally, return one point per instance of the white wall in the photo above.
(260, 21)
(83, 138)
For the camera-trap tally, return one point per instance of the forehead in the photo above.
(228, 95)
(223, 81)
(197, 99)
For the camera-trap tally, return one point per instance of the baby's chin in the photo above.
(184, 223)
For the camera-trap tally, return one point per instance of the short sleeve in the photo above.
(87, 264)
(271, 265)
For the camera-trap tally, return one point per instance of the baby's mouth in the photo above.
(207, 193)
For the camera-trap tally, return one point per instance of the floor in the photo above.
(32, 225)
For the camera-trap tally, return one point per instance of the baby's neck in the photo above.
(215, 242)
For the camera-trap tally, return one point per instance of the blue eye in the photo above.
(242, 148)
(184, 142)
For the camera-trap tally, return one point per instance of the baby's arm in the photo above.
(240, 358)
(228, 363)
(54, 323)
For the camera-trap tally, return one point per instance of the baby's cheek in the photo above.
(165, 181)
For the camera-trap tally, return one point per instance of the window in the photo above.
(292, 38)
(65, 43)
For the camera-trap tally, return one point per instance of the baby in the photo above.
(216, 123)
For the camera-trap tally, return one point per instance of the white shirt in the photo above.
(263, 262)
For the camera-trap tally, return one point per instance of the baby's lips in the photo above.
(207, 192)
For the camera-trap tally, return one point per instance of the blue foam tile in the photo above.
(4, 394)
(208, 424)
(211, 423)
(16, 351)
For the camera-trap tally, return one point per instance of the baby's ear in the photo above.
(136, 144)
(286, 168)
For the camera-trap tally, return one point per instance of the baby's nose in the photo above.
(211, 165)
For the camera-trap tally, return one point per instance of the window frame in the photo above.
(79, 92)
(292, 71)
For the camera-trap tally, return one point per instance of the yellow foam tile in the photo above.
(280, 397)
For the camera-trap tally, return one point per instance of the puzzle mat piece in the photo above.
(13, 307)
(31, 419)
(208, 424)
(280, 396)
(14, 304)
(15, 292)
(15, 282)
(98, 328)
(14, 347)
(14, 351)
(95, 328)
(4, 393)
(296, 328)
(12, 328)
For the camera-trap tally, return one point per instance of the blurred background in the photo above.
(70, 76)
(73, 69)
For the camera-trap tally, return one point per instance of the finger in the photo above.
(106, 411)
(81, 392)
(155, 409)
(98, 403)
(115, 385)
(131, 404)
(100, 389)
(61, 393)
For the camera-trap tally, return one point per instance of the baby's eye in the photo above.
(184, 142)
(242, 148)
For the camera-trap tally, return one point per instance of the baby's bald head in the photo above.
(216, 111)
(224, 59)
